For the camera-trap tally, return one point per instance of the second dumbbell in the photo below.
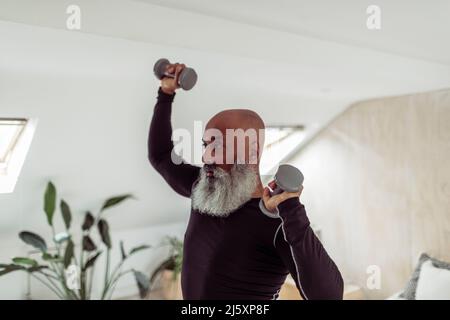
(186, 80)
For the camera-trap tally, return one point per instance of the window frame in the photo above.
(17, 150)
(13, 143)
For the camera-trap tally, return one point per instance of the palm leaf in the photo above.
(103, 229)
(143, 283)
(48, 257)
(50, 202)
(33, 240)
(10, 268)
(91, 261)
(122, 250)
(136, 249)
(66, 213)
(115, 201)
(88, 221)
(68, 254)
(36, 268)
(88, 244)
(25, 261)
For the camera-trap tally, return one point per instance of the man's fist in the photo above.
(168, 84)
(271, 202)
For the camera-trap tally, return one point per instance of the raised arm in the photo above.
(160, 145)
(314, 272)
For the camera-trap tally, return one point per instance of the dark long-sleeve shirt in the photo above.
(248, 254)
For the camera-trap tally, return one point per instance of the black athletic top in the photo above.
(248, 254)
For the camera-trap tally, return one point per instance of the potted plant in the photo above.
(67, 273)
(166, 277)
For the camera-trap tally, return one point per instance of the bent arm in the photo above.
(160, 147)
(314, 272)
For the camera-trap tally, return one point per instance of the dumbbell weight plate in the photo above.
(288, 178)
(160, 67)
(188, 78)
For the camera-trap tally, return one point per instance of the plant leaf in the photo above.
(88, 221)
(139, 248)
(169, 264)
(88, 244)
(91, 261)
(36, 268)
(48, 257)
(143, 283)
(66, 214)
(122, 250)
(25, 261)
(115, 201)
(11, 268)
(68, 254)
(50, 202)
(33, 240)
(103, 229)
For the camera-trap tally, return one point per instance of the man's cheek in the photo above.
(225, 167)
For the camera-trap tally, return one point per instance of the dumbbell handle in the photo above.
(169, 75)
(172, 75)
(276, 191)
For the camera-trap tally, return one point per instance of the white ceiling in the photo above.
(93, 90)
(413, 28)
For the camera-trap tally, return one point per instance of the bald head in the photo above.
(243, 135)
(236, 119)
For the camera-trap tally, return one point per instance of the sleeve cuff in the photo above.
(164, 97)
(287, 206)
(290, 204)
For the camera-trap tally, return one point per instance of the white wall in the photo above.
(377, 185)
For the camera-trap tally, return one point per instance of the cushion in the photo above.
(434, 283)
(410, 289)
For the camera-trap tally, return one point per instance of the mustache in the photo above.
(214, 171)
(209, 167)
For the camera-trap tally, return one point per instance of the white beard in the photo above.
(225, 192)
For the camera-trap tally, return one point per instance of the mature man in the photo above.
(232, 250)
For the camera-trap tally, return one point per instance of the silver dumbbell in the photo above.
(288, 178)
(186, 80)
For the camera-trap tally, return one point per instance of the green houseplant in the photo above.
(54, 263)
(167, 274)
(174, 261)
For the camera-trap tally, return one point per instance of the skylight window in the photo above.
(280, 142)
(15, 139)
(10, 132)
